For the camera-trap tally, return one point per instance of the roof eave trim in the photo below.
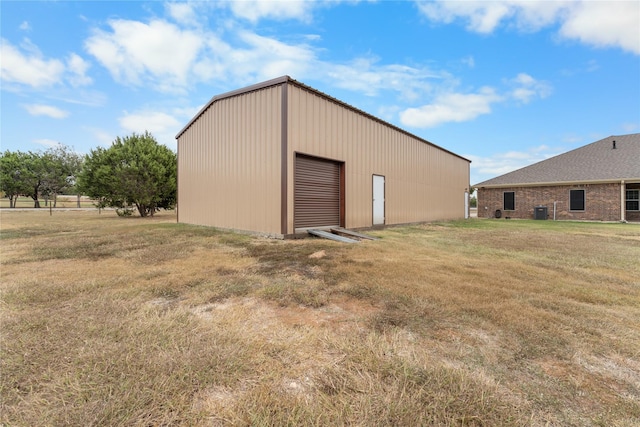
(287, 79)
(257, 86)
(374, 118)
(554, 183)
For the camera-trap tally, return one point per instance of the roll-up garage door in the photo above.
(316, 192)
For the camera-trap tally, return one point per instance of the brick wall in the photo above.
(602, 202)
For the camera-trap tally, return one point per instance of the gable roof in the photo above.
(592, 163)
(286, 79)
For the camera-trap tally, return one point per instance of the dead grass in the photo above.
(131, 321)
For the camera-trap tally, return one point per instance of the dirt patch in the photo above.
(318, 255)
(264, 313)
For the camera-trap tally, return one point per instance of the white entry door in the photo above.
(378, 199)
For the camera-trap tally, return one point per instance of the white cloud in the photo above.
(279, 10)
(49, 143)
(186, 112)
(388, 112)
(486, 16)
(255, 58)
(78, 71)
(483, 18)
(365, 75)
(597, 23)
(163, 126)
(588, 67)
(469, 61)
(152, 121)
(183, 13)
(134, 51)
(525, 88)
(605, 24)
(276, 58)
(254, 10)
(87, 98)
(25, 26)
(451, 107)
(29, 68)
(46, 110)
(173, 59)
(483, 168)
(313, 37)
(103, 137)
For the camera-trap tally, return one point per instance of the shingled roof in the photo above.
(596, 162)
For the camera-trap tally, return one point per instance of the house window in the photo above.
(576, 200)
(509, 201)
(633, 200)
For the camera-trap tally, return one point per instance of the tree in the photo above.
(12, 173)
(135, 170)
(60, 168)
(474, 198)
(34, 170)
(38, 174)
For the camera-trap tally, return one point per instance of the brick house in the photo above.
(597, 182)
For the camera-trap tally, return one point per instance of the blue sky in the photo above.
(502, 83)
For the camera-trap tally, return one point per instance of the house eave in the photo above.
(558, 183)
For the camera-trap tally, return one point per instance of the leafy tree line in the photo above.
(39, 174)
(135, 171)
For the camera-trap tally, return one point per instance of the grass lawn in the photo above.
(131, 321)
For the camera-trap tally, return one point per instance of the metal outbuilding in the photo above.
(280, 157)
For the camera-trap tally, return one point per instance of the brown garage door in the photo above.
(316, 192)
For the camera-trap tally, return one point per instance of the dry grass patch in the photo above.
(131, 321)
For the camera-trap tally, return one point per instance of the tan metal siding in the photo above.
(423, 182)
(229, 164)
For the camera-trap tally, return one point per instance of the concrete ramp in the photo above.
(327, 235)
(351, 233)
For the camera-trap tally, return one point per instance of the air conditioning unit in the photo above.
(540, 212)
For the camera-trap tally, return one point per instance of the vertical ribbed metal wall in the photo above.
(423, 182)
(229, 164)
(230, 169)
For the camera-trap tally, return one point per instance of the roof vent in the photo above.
(614, 144)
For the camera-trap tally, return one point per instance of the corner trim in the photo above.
(284, 165)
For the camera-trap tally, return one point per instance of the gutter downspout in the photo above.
(622, 202)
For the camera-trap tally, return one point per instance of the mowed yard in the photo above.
(130, 321)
